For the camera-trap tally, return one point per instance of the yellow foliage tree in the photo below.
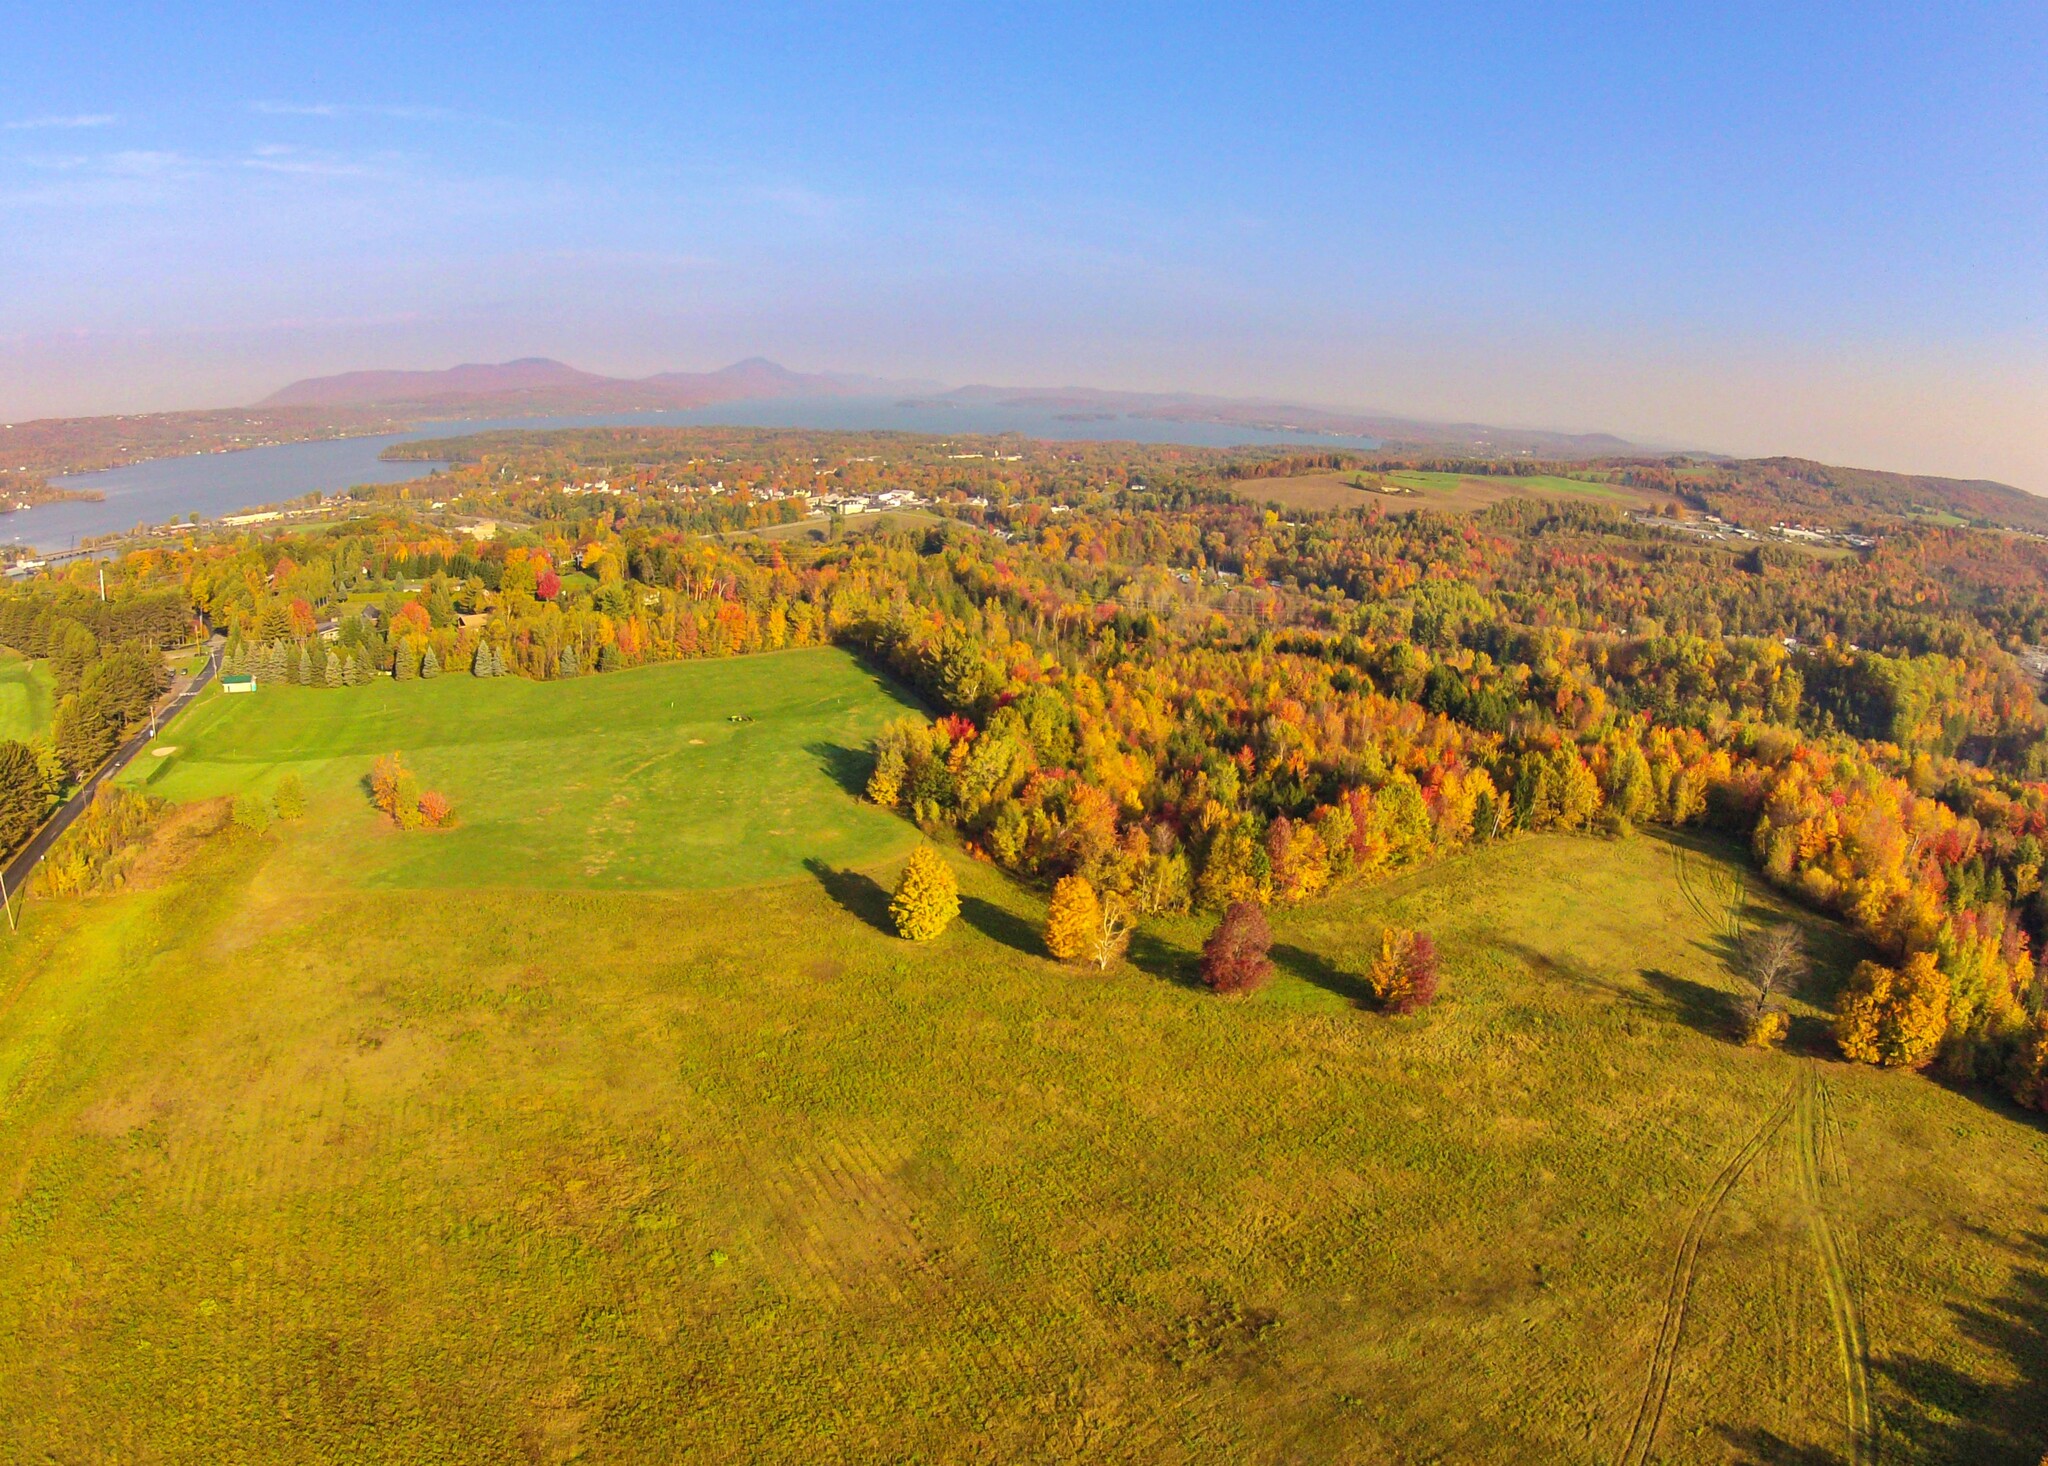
(1893, 1016)
(1074, 921)
(927, 897)
(1084, 927)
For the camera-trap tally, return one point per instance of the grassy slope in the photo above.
(633, 779)
(740, 1177)
(25, 697)
(1450, 492)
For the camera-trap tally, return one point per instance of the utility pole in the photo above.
(103, 583)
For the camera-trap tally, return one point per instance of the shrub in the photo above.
(927, 897)
(1234, 958)
(1893, 1016)
(251, 814)
(395, 789)
(1404, 975)
(290, 798)
(1073, 923)
(96, 852)
(1765, 1028)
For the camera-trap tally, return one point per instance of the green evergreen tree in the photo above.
(332, 676)
(406, 664)
(497, 661)
(569, 667)
(21, 795)
(480, 664)
(305, 666)
(609, 659)
(430, 665)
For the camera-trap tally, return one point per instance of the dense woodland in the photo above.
(1138, 677)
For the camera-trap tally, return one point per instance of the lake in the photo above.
(213, 484)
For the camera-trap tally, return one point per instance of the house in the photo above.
(237, 682)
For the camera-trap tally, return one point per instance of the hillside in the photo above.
(538, 384)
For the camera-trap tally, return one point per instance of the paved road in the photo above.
(24, 863)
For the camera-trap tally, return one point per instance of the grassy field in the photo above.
(632, 779)
(1451, 492)
(25, 697)
(302, 1172)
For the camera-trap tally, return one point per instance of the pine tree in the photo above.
(305, 666)
(1074, 921)
(497, 661)
(608, 659)
(332, 674)
(290, 798)
(351, 674)
(21, 794)
(927, 897)
(407, 663)
(480, 664)
(430, 665)
(569, 667)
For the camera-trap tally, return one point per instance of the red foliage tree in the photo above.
(413, 616)
(548, 585)
(304, 622)
(1418, 974)
(1234, 958)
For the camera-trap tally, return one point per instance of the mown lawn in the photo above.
(26, 696)
(482, 1174)
(631, 779)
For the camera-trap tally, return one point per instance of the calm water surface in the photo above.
(213, 484)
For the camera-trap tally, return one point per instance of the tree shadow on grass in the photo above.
(1156, 957)
(1768, 1448)
(849, 768)
(859, 895)
(1928, 1410)
(1316, 970)
(1701, 1008)
(1003, 927)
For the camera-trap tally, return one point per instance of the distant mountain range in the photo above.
(538, 385)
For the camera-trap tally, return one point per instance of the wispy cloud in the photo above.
(350, 109)
(82, 119)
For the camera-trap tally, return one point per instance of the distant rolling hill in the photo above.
(538, 384)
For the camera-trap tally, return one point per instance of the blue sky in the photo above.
(1801, 228)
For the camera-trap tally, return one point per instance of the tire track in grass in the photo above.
(1836, 1247)
(1650, 1413)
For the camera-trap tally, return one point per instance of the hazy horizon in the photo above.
(1759, 231)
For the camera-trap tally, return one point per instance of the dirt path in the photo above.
(1820, 1167)
(1650, 1414)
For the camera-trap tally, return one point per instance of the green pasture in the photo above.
(26, 696)
(641, 778)
(299, 1172)
(1459, 488)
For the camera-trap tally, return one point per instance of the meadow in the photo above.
(1449, 492)
(304, 1156)
(26, 697)
(706, 773)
